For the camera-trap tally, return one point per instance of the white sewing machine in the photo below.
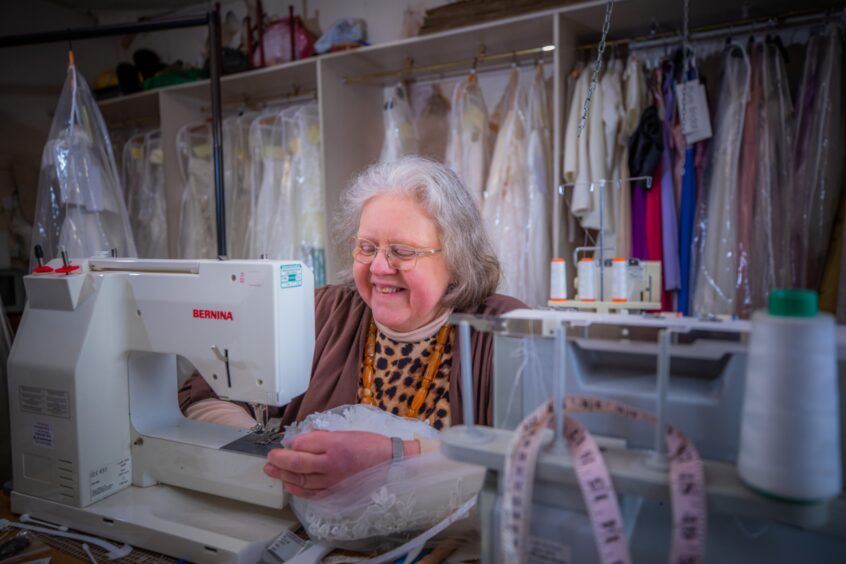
(98, 440)
(616, 357)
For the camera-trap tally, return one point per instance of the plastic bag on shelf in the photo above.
(470, 140)
(276, 41)
(310, 199)
(80, 203)
(390, 502)
(433, 125)
(344, 30)
(197, 232)
(149, 211)
(400, 134)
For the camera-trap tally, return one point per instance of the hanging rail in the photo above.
(734, 27)
(482, 58)
(210, 19)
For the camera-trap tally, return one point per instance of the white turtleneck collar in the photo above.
(418, 334)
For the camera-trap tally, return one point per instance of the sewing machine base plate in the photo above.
(193, 526)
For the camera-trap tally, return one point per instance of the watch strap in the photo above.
(397, 450)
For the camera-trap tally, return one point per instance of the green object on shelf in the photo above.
(171, 77)
(793, 303)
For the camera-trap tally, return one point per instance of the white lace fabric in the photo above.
(388, 502)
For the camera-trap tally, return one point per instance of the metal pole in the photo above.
(558, 385)
(662, 388)
(65, 35)
(466, 375)
(215, 67)
(601, 186)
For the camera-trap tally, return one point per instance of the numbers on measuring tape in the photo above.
(687, 484)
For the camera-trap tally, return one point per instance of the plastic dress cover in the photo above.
(506, 206)
(433, 125)
(390, 502)
(308, 188)
(240, 199)
(238, 185)
(771, 238)
(80, 202)
(274, 220)
(132, 175)
(148, 205)
(470, 140)
(539, 193)
(197, 235)
(716, 229)
(400, 134)
(818, 159)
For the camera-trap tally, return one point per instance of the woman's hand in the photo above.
(318, 460)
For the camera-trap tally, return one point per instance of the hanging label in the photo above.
(693, 109)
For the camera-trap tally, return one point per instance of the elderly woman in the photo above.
(420, 252)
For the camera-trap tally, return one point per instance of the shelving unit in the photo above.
(350, 110)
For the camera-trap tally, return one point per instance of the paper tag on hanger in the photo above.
(157, 156)
(695, 118)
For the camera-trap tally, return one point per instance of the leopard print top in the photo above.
(399, 368)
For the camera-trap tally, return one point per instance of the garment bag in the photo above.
(80, 203)
(308, 187)
(150, 208)
(400, 134)
(505, 206)
(716, 281)
(197, 232)
(470, 140)
(433, 125)
(538, 192)
(818, 158)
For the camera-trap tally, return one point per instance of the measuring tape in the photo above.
(687, 485)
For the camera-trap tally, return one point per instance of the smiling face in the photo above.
(401, 300)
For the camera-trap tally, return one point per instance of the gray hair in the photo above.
(468, 252)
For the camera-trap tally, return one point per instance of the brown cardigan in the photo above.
(342, 320)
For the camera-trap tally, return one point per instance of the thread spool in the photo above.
(789, 438)
(558, 280)
(619, 280)
(587, 280)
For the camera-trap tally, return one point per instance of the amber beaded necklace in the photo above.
(368, 395)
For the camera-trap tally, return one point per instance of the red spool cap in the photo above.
(42, 269)
(67, 269)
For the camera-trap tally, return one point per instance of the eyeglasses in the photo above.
(400, 257)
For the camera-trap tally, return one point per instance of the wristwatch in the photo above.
(397, 450)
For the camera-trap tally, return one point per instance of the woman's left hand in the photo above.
(318, 460)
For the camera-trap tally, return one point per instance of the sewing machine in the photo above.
(618, 357)
(98, 440)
